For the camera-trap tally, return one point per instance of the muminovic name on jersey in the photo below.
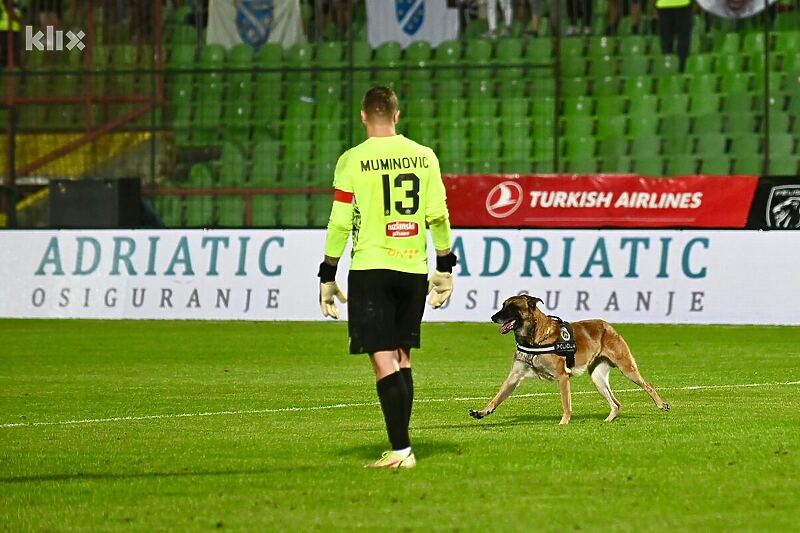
(394, 163)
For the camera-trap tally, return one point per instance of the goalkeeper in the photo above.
(388, 189)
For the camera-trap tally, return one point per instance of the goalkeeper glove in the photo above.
(328, 288)
(440, 286)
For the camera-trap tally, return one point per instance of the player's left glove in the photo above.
(440, 286)
(328, 289)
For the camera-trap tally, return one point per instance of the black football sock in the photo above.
(394, 398)
(406, 372)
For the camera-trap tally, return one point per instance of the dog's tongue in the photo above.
(508, 326)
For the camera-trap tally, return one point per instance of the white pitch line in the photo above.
(361, 404)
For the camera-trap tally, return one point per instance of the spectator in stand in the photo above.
(616, 8)
(491, 17)
(675, 28)
(579, 13)
(536, 17)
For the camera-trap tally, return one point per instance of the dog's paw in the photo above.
(665, 407)
(477, 415)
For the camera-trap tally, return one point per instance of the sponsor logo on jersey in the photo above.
(402, 228)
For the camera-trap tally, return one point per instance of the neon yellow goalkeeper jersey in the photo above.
(388, 190)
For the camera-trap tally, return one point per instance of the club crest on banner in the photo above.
(783, 207)
(410, 14)
(253, 19)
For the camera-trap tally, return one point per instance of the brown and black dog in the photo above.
(599, 348)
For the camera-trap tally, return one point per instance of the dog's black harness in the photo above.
(564, 347)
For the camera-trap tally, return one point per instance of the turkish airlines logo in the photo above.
(504, 199)
(402, 229)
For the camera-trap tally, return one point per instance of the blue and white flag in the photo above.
(406, 21)
(254, 22)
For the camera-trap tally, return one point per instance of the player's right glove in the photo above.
(328, 289)
(440, 286)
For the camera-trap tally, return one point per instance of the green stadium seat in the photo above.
(737, 103)
(602, 46)
(199, 211)
(581, 165)
(784, 166)
(779, 123)
(450, 88)
(637, 86)
(673, 104)
(447, 54)
(608, 106)
(296, 172)
(633, 45)
(294, 210)
(634, 65)
(781, 145)
(677, 146)
(578, 126)
(728, 43)
(704, 104)
(545, 107)
(606, 86)
(603, 66)
(232, 166)
(320, 210)
(775, 79)
(748, 165)
(642, 124)
(708, 124)
(418, 109)
(643, 104)
(645, 146)
(387, 63)
(183, 34)
(573, 66)
(755, 42)
(648, 166)
(265, 211)
(509, 52)
(699, 64)
(452, 151)
(715, 166)
(423, 131)
(685, 165)
(208, 122)
(417, 62)
(572, 47)
(671, 85)
(673, 126)
(170, 209)
(513, 108)
(574, 106)
(611, 126)
(452, 109)
(665, 65)
(736, 82)
(482, 108)
(616, 165)
(788, 41)
(574, 86)
(477, 55)
(729, 64)
(230, 211)
(328, 150)
(710, 146)
(613, 147)
(577, 147)
(321, 174)
(266, 164)
(703, 84)
(740, 123)
(745, 144)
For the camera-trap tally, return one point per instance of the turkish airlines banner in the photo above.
(599, 201)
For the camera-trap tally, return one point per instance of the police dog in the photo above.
(599, 348)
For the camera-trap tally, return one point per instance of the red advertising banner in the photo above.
(566, 201)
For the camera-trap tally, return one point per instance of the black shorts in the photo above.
(384, 309)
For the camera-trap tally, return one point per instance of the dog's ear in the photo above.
(532, 301)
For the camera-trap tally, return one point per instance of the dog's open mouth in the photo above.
(508, 326)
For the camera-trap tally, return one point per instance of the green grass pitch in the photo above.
(187, 426)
